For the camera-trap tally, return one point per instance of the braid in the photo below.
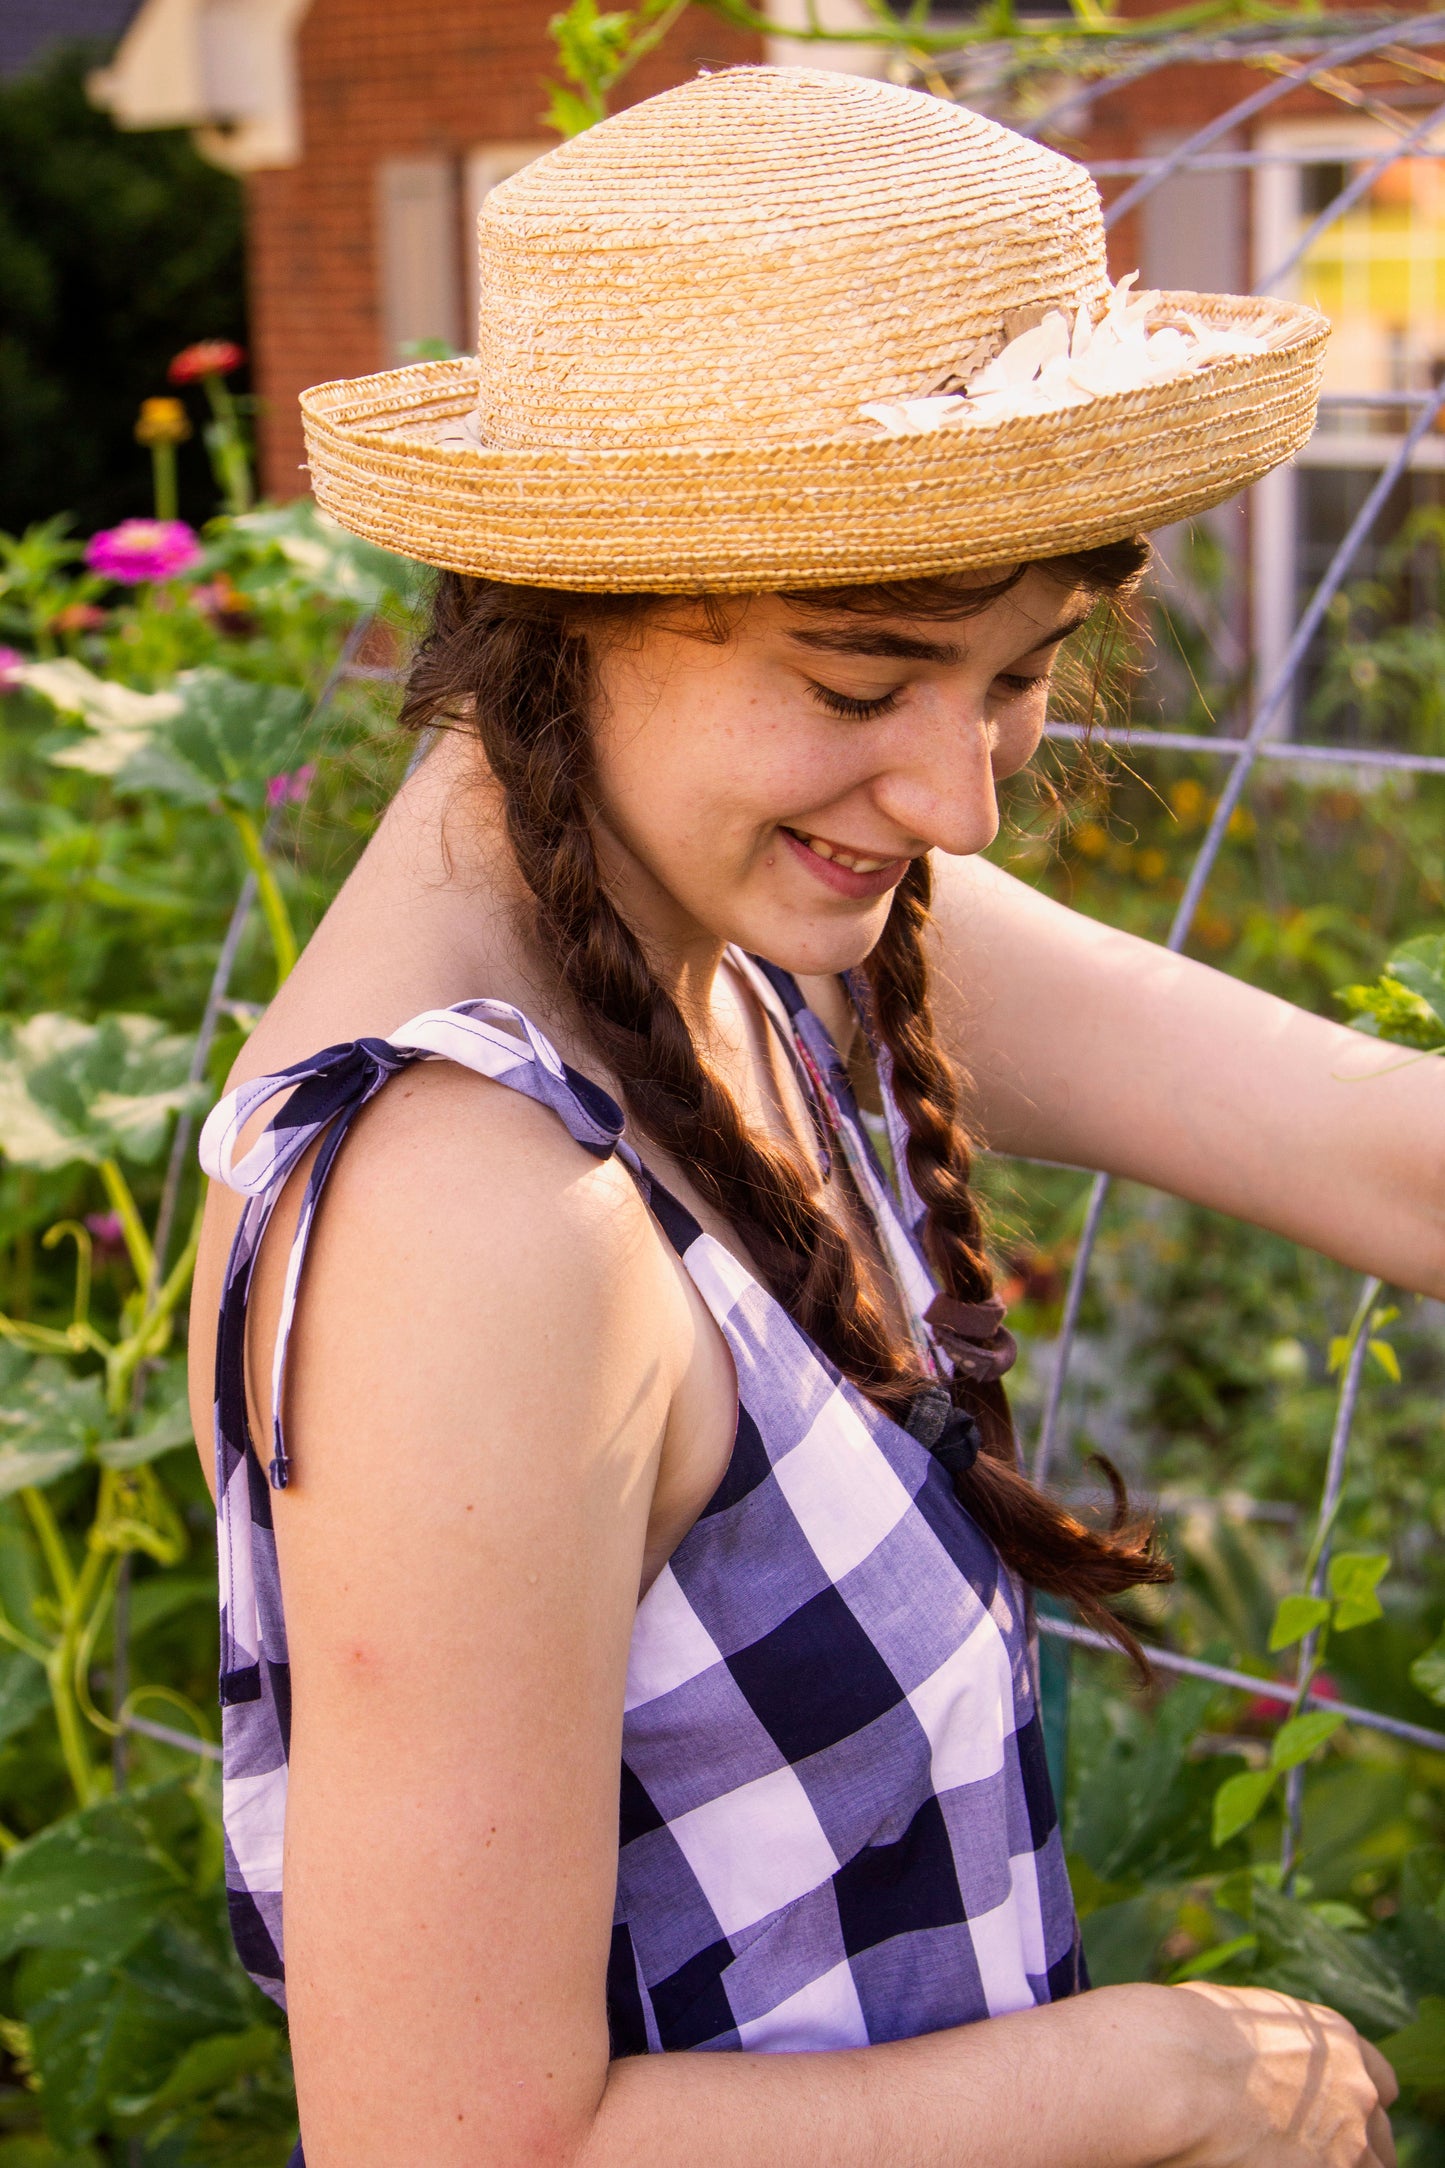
(533, 722)
(516, 663)
(1049, 1547)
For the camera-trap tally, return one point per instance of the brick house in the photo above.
(368, 132)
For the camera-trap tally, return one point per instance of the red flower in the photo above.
(78, 617)
(208, 357)
(1264, 1709)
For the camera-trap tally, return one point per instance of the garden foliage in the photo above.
(160, 744)
(166, 746)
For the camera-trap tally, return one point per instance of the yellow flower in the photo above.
(1187, 799)
(1090, 840)
(162, 421)
(1152, 865)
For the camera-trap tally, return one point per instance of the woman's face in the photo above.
(771, 789)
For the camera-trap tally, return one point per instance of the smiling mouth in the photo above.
(852, 861)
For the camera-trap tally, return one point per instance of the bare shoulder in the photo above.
(464, 1239)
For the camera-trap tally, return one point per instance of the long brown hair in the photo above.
(517, 664)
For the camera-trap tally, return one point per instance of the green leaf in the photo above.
(1303, 1955)
(1388, 1010)
(41, 2152)
(207, 2066)
(321, 558)
(230, 737)
(23, 1693)
(1420, 966)
(1354, 1577)
(71, 1091)
(1387, 1359)
(1296, 1617)
(50, 1421)
(1295, 1741)
(1213, 1960)
(567, 113)
(120, 720)
(1139, 1811)
(1238, 1800)
(1428, 1672)
(95, 1881)
(105, 2032)
(1417, 2052)
(163, 1595)
(170, 1429)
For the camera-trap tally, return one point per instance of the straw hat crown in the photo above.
(786, 328)
(751, 256)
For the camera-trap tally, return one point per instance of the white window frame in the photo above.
(485, 166)
(1274, 513)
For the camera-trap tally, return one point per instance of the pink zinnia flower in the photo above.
(143, 549)
(12, 662)
(208, 357)
(290, 789)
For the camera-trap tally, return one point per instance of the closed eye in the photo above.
(1018, 685)
(844, 704)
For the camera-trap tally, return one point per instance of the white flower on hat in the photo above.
(1056, 364)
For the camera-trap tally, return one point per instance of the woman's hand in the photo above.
(1292, 2085)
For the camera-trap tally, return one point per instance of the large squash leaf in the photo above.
(72, 1091)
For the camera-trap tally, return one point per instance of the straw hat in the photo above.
(785, 328)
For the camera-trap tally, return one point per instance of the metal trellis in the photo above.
(1209, 149)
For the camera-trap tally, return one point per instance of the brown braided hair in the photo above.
(516, 664)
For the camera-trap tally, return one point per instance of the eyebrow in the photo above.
(906, 646)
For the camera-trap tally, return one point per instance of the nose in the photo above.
(938, 783)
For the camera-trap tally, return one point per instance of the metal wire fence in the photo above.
(1320, 57)
(1327, 62)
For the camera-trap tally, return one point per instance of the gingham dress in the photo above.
(836, 1820)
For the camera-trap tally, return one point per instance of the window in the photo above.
(1378, 272)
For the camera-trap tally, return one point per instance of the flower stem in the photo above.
(137, 1241)
(273, 903)
(163, 479)
(228, 446)
(52, 1543)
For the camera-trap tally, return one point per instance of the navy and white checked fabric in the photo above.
(836, 1820)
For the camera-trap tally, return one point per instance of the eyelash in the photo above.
(862, 711)
(853, 711)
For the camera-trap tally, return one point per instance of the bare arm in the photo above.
(1093, 1047)
(489, 1350)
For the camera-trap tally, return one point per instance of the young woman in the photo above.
(640, 1433)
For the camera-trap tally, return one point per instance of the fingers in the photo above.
(1380, 2074)
(1381, 2139)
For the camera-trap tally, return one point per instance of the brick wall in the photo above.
(381, 80)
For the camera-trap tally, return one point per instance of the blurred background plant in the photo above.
(196, 738)
(1210, 1361)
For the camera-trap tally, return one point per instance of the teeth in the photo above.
(850, 859)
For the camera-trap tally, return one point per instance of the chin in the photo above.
(816, 948)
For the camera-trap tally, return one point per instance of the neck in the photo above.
(445, 835)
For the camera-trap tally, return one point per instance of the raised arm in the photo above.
(1093, 1047)
(492, 1351)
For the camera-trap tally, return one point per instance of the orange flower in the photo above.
(162, 421)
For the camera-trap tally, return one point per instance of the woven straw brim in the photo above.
(748, 517)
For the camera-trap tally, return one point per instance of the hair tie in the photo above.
(951, 1436)
(973, 1336)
